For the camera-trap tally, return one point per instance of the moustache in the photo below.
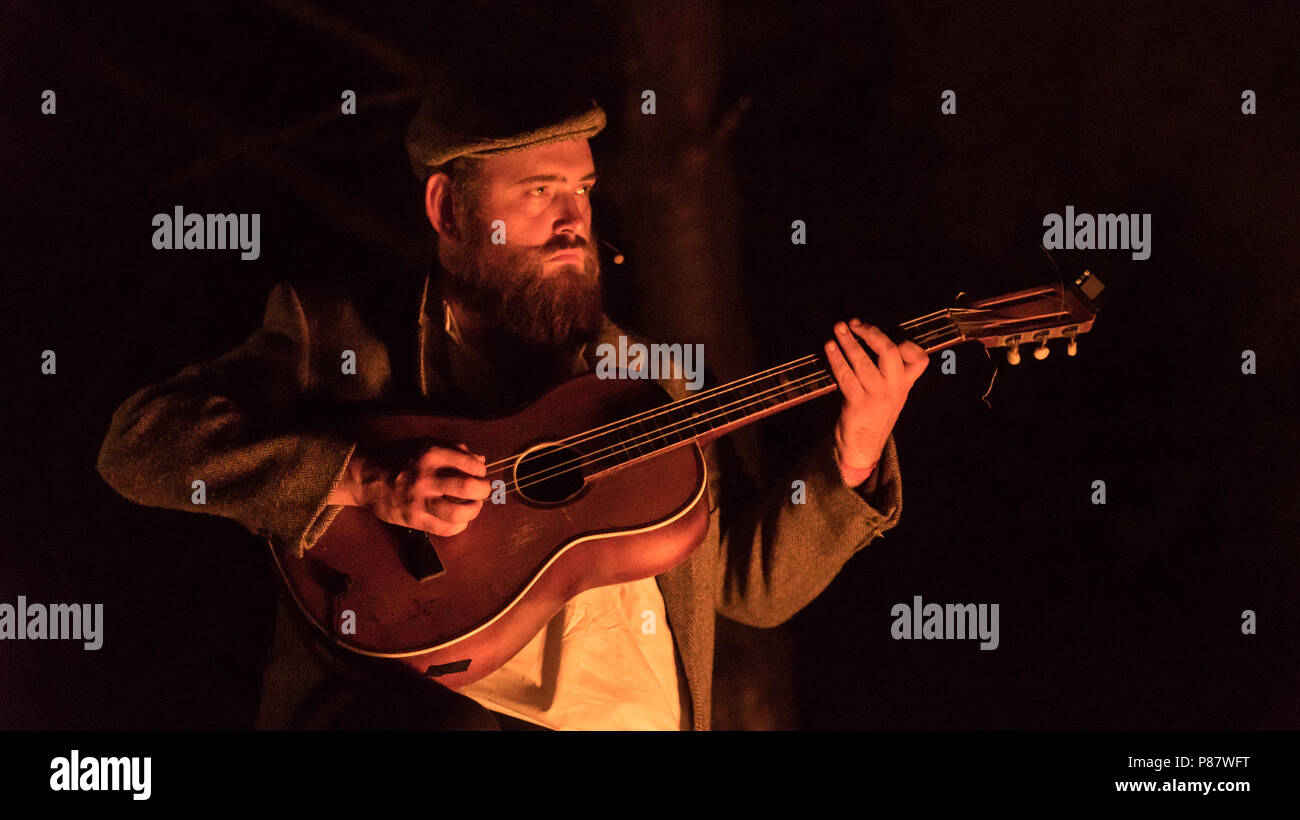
(564, 243)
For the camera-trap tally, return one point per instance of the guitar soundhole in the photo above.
(550, 475)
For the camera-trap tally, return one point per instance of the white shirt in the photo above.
(604, 662)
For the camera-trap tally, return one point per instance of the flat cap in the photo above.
(484, 119)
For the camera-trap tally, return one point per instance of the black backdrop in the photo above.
(1126, 615)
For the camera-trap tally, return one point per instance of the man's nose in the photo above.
(572, 217)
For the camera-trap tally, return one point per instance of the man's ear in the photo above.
(438, 207)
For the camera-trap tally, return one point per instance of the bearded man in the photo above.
(512, 307)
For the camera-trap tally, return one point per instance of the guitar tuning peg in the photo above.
(1042, 351)
(1072, 349)
(1013, 354)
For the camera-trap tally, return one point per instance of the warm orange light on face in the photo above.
(541, 193)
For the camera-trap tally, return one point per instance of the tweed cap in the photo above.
(491, 116)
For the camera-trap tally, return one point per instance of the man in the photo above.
(498, 322)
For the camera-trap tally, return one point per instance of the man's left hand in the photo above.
(873, 392)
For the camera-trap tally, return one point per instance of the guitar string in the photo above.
(825, 377)
(703, 419)
(742, 403)
(595, 468)
(683, 403)
(815, 381)
(646, 415)
(949, 325)
(706, 395)
(617, 426)
(663, 434)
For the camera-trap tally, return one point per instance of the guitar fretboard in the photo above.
(720, 410)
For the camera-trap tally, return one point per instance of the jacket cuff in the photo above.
(878, 509)
(311, 522)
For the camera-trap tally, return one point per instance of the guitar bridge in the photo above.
(418, 555)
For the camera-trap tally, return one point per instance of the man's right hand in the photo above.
(440, 492)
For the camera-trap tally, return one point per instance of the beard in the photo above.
(523, 297)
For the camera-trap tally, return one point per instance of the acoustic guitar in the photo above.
(604, 482)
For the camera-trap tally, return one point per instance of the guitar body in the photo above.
(455, 609)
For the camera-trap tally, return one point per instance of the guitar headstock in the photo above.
(1027, 317)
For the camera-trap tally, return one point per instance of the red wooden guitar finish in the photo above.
(604, 482)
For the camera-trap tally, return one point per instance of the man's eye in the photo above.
(539, 191)
(586, 189)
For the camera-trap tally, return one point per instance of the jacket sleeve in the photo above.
(230, 423)
(779, 551)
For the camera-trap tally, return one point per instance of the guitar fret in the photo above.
(682, 429)
(698, 427)
(642, 438)
(664, 434)
(769, 395)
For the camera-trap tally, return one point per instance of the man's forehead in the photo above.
(570, 159)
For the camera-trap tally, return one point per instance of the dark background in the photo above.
(1125, 615)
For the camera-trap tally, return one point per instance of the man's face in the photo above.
(542, 285)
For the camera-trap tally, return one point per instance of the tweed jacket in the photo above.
(244, 424)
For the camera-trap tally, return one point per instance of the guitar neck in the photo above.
(1033, 315)
(720, 410)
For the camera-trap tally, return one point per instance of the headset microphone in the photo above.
(618, 255)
